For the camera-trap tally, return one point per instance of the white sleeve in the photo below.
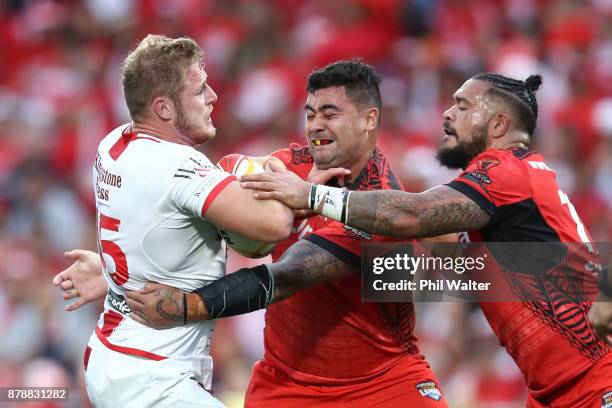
(197, 182)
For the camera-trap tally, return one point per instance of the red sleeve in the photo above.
(283, 154)
(344, 242)
(215, 192)
(296, 158)
(493, 179)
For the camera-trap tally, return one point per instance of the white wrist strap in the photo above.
(330, 202)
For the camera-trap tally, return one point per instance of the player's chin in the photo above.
(209, 132)
(323, 161)
(449, 141)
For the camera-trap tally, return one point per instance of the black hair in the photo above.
(360, 80)
(519, 95)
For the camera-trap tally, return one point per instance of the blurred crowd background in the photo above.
(60, 94)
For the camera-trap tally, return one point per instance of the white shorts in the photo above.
(115, 379)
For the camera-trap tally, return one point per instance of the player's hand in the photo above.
(284, 186)
(600, 317)
(157, 306)
(281, 185)
(82, 280)
(318, 176)
(270, 163)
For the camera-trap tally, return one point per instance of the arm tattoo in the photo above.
(437, 211)
(304, 265)
(168, 307)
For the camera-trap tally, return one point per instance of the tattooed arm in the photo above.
(437, 211)
(303, 265)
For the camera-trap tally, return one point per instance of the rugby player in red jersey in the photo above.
(506, 193)
(323, 346)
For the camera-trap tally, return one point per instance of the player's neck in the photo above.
(357, 166)
(159, 132)
(512, 140)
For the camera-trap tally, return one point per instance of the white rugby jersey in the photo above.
(151, 197)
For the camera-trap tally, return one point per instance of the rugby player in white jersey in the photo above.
(159, 203)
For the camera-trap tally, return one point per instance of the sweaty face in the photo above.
(335, 128)
(196, 104)
(466, 126)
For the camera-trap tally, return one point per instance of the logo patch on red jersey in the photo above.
(479, 177)
(356, 233)
(606, 400)
(429, 389)
(485, 165)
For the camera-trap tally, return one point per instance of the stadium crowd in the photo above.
(60, 94)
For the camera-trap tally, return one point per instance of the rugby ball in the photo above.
(239, 165)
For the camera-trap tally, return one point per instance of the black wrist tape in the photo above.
(244, 291)
(604, 285)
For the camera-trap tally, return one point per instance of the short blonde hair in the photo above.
(157, 67)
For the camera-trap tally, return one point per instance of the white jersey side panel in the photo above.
(150, 196)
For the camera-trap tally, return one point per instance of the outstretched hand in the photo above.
(83, 280)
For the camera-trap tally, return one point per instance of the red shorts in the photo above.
(410, 383)
(592, 390)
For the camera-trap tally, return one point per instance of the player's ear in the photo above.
(372, 118)
(499, 125)
(163, 108)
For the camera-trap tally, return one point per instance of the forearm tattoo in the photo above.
(438, 211)
(304, 265)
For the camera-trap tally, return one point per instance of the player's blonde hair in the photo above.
(157, 67)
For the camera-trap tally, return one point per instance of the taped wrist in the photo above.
(331, 202)
(244, 291)
(604, 284)
(195, 310)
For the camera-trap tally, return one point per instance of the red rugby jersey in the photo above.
(547, 332)
(325, 335)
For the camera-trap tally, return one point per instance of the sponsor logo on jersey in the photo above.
(187, 168)
(184, 173)
(203, 171)
(606, 400)
(429, 389)
(357, 233)
(206, 185)
(484, 165)
(117, 302)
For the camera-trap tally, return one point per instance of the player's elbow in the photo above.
(279, 227)
(273, 233)
(274, 222)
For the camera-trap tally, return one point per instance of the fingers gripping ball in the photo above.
(238, 165)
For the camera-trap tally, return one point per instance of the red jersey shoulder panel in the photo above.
(495, 178)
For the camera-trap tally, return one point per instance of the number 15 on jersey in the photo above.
(120, 275)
